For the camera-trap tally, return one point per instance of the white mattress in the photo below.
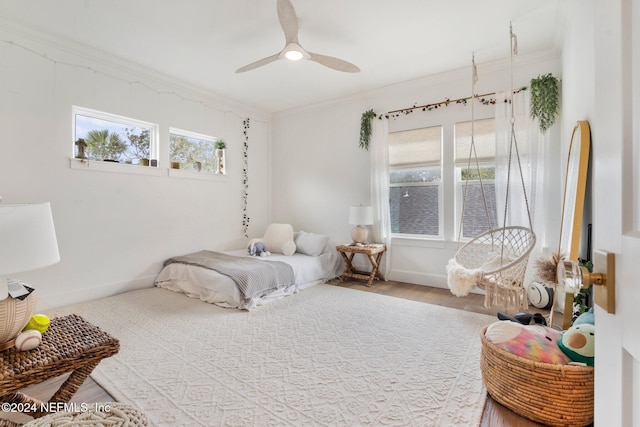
(213, 287)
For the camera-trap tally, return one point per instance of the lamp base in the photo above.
(359, 234)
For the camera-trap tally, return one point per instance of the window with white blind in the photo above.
(415, 169)
(475, 177)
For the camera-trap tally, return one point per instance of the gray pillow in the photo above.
(310, 244)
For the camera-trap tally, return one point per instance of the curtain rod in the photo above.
(447, 102)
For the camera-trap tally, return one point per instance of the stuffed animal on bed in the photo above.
(578, 342)
(258, 249)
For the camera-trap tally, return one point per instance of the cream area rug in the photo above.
(328, 356)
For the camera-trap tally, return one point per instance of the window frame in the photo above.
(459, 165)
(439, 184)
(194, 135)
(154, 148)
(447, 118)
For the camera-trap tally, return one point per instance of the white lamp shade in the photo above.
(27, 238)
(361, 215)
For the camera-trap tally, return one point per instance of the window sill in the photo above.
(421, 242)
(98, 166)
(207, 176)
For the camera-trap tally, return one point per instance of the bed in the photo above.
(309, 265)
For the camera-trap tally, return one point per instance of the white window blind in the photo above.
(415, 147)
(484, 138)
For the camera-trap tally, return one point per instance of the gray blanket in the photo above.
(253, 277)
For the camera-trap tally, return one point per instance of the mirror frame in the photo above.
(577, 161)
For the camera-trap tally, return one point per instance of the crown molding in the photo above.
(118, 66)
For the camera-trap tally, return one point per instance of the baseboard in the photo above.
(417, 278)
(433, 280)
(48, 301)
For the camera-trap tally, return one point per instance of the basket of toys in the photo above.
(549, 393)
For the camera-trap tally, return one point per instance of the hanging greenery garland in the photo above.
(365, 128)
(245, 177)
(545, 100)
(367, 116)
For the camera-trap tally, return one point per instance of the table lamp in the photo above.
(27, 242)
(360, 216)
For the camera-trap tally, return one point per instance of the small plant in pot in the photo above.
(220, 146)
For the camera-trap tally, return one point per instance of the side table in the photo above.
(349, 251)
(71, 344)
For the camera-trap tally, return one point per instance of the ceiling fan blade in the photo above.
(288, 20)
(259, 63)
(335, 63)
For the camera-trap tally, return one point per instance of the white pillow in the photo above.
(277, 237)
(289, 248)
(310, 244)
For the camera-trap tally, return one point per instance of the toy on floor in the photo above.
(258, 249)
(578, 341)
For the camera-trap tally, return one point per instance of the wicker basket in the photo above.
(556, 395)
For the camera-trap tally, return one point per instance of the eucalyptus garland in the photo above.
(245, 177)
(365, 128)
(545, 100)
(367, 116)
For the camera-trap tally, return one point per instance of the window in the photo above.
(112, 138)
(471, 174)
(415, 172)
(192, 151)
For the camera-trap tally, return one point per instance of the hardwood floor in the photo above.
(495, 415)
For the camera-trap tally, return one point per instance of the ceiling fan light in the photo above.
(293, 55)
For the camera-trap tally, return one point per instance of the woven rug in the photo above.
(328, 356)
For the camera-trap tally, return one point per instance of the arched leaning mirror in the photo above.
(573, 207)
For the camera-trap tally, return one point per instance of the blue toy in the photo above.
(258, 249)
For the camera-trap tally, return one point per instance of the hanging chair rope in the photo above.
(473, 153)
(513, 143)
(500, 273)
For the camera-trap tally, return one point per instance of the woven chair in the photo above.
(496, 260)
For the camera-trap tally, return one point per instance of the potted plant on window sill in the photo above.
(220, 147)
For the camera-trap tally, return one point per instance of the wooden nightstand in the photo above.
(349, 251)
(71, 344)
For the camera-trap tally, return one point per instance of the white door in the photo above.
(616, 207)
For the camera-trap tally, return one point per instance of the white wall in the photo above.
(115, 229)
(578, 87)
(319, 171)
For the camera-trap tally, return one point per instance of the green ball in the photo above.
(38, 322)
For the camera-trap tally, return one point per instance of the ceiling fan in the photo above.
(292, 49)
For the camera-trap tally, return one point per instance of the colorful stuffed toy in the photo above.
(578, 341)
(533, 342)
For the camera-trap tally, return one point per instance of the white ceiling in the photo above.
(203, 42)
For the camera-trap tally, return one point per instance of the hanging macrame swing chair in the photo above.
(494, 261)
